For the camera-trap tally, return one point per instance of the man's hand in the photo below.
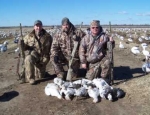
(111, 38)
(84, 66)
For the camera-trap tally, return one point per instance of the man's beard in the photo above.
(65, 29)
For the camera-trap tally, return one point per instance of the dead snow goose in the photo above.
(58, 81)
(53, 90)
(94, 93)
(67, 92)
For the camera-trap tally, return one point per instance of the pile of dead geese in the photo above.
(97, 89)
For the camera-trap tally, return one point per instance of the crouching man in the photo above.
(93, 52)
(37, 45)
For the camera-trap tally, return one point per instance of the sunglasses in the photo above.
(94, 27)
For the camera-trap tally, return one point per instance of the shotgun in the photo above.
(71, 61)
(21, 55)
(110, 53)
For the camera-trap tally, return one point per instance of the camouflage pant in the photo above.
(60, 71)
(34, 69)
(99, 69)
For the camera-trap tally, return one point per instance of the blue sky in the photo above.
(51, 12)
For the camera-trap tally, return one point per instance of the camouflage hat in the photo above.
(95, 23)
(37, 22)
(65, 20)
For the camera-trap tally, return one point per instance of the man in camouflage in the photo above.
(37, 45)
(62, 46)
(93, 52)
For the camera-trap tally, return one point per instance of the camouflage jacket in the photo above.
(93, 49)
(41, 48)
(64, 43)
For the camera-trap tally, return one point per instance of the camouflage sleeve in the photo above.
(55, 46)
(82, 50)
(26, 46)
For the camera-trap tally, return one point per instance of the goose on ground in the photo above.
(135, 50)
(93, 92)
(58, 81)
(121, 46)
(140, 39)
(130, 39)
(67, 92)
(17, 50)
(53, 90)
(144, 45)
(146, 53)
(81, 92)
(146, 67)
(3, 47)
(104, 88)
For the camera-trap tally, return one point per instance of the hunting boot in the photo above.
(22, 78)
(32, 81)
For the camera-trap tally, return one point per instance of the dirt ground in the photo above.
(25, 99)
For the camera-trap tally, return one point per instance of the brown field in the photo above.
(24, 99)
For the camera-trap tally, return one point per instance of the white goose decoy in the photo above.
(140, 39)
(130, 39)
(3, 47)
(53, 90)
(146, 67)
(146, 53)
(17, 50)
(135, 50)
(94, 93)
(121, 46)
(144, 45)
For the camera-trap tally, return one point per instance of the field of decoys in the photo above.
(128, 95)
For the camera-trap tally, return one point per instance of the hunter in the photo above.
(37, 45)
(62, 47)
(93, 52)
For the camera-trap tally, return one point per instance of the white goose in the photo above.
(146, 53)
(81, 92)
(17, 50)
(67, 92)
(94, 93)
(53, 90)
(135, 50)
(3, 47)
(104, 89)
(130, 39)
(144, 45)
(58, 81)
(146, 67)
(121, 46)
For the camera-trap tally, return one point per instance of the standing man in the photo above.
(62, 47)
(38, 45)
(93, 52)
